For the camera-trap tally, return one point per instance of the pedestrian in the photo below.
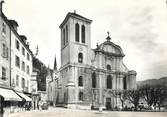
(40, 105)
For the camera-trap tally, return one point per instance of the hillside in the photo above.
(153, 82)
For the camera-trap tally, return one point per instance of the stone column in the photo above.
(100, 92)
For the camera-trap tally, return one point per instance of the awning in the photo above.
(9, 95)
(28, 99)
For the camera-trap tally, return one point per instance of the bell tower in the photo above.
(75, 39)
(75, 55)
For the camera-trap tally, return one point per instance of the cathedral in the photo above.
(89, 77)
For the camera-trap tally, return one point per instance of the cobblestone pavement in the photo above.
(61, 112)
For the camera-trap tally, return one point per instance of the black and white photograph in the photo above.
(83, 58)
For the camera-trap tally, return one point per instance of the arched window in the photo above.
(80, 81)
(108, 67)
(124, 83)
(83, 34)
(109, 82)
(94, 80)
(66, 34)
(80, 58)
(77, 32)
(81, 96)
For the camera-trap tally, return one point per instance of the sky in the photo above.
(138, 26)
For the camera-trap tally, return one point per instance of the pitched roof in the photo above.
(10, 24)
(13, 22)
(74, 15)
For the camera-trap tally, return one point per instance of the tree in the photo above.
(154, 95)
(41, 76)
(133, 96)
(147, 94)
(159, 95)
(122, 95)
(162, 96)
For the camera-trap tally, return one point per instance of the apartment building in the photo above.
(4, 53)
(21, 62)
(7, 95)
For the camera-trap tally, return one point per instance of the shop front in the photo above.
(27, 101)
(9, 101)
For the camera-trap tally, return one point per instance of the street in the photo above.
(61, 112)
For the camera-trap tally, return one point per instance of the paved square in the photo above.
(61, 112)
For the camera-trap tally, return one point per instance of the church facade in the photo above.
(89, 77)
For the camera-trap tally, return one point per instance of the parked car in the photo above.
(44, 106)
(141, 107)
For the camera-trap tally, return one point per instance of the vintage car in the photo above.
(44, 106)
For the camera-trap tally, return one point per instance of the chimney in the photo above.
(23, 38)
(14, 24)
(28, 44)
(1, 3)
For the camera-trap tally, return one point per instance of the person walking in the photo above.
(40, 105)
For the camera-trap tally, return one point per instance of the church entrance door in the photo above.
(108, 103)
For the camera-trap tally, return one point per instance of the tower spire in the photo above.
(55, 64)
